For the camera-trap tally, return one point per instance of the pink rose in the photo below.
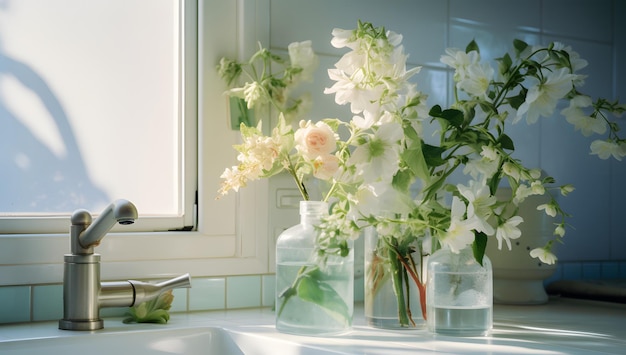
(314, 140)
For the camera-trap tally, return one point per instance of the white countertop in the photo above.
(563, 326)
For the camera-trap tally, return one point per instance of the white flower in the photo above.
(314, 140)
(521, 193)
(511, 170)
(566, 189)
(373, 75)
(376, 199)
(257, 154)
(508, 230)
(363, 122)
(460, 233)
(342, 38)
(559, 230)
(253, 93)
(576, 61)
(460, 61)
(485, 167)
(544, 255)
(301, 55)
(378, 158)
(549, 208)
(581, 121)
(480, 204)
(489, 152)
(325, 166)
(352, 90)
(233, 180)
(537, 188)
(604, 149)
(542, 96)
(477, 80)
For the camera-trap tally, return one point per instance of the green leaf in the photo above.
(432, 155)
(506, 142)
(517, 100)
(415, 161)
(402, 180)
(240, 114)
(454, 117)
(312, 289)
(479, 246)
(519, 46)
(472, 46)
(435, 111)
(504, 63)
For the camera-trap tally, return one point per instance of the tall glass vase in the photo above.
(459, 294)
(393, 298)
(314, 296)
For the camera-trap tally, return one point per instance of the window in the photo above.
(92, 105)
(231, 235)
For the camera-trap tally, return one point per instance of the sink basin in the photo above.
(200, 340)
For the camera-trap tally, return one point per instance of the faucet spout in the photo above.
(120, 211)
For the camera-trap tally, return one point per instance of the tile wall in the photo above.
(45, 302)
(34, 303)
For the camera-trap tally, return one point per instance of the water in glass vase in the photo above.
(460, 321)
(303, 313)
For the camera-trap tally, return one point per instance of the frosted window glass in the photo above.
(89, 106)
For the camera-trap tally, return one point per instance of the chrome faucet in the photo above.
(83, 293)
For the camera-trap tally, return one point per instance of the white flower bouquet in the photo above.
(386, 175)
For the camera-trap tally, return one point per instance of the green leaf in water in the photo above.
(311, 288)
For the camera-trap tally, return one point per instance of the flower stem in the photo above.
(420, 286)
(292, 290)
(300, 184)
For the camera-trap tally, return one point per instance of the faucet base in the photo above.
(81, 325)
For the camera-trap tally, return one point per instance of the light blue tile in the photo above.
(47, 302)
(207, 294)
(179, 304)
(497, 13)
(595, 15)
(610, 270)
(14, 304)
(622, 270)
(109, 312)
(243, 291)
(269, 290)
(592, 270)
(572, 271)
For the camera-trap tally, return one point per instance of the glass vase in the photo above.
(459, 294)
(314, 296)
(392, 296)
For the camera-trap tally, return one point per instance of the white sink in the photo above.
(200, 340)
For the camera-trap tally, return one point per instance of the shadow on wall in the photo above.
(33, 177)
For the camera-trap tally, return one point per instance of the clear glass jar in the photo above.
(313, 297)
(392, 297)
(459, 294)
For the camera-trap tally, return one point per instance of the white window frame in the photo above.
(232, 233)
